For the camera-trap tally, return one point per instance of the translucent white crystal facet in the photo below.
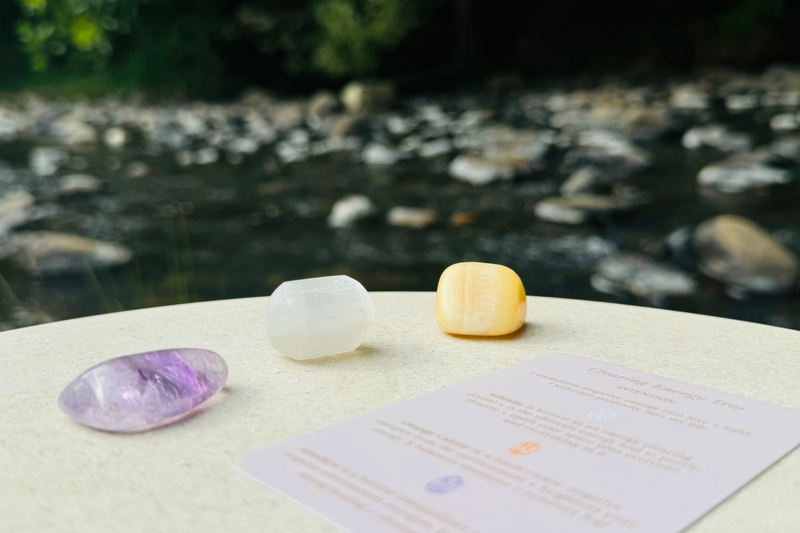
(310, 318)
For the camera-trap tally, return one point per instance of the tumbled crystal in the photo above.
(310, 318)
(144, 390)
(480, 299)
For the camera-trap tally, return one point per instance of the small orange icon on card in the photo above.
(524, 448)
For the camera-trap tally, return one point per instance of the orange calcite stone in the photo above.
(480, 299)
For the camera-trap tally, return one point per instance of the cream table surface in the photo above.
(56, 475)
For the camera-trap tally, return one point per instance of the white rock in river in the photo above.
(479, 170)
(641, 277)
(412, 217)
(379, 154)
(740, 175)
(15, 209)
(78, 184)
(51, 253)
(115, 137)
(46, 161)
(317, 317)
(350, 209)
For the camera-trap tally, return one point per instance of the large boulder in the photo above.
(745, 257)
(54, 254)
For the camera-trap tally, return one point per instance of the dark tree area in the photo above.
(215, 47)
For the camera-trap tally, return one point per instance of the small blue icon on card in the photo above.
(444, 484)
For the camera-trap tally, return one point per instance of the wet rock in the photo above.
(287, 116)
(46, 161)
(243, 145)
(786, 147)
(463, 218)
(398, 125)
(575, 210)
(436, 148)
(55, 254)
(379, 154)
(734, 176)
(348, 125)
(15, 210)
(680, 247)
(641, 277)
(717, 136)
(73, 131)
(412, 217)
(115, 138)
(736, 103)
(349, 210)
(322, 103)
(526, 145)
(689, 98)
(367, 98)
(137, 169)
(742, 255)
(646, 123)
(784, 122)
(78, 184)
(608, 152)
(584, 180)
(479, 170)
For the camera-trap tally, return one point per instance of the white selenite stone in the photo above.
(310, 318)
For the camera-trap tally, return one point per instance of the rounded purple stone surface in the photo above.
(144, 390)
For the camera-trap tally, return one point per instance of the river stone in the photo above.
(367, 98)
(739, 253)
(318, 317)
(412, 217)
(380, 154)
(642, 277)
(349, 210)
(584, 180)
(45, 161)
(717, 136)
(15, 209)
(115, 138)
(735, 176)
(78, 184)
(689, 98)
(53, 254)
(143, 391)
(322, 103)
(575, 210)
(479, 170)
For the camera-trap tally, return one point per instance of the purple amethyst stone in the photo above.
(144, 390)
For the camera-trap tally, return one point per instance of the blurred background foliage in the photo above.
(213, 48)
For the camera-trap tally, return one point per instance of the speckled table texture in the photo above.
(59, 476)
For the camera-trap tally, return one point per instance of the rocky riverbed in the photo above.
(681, 194)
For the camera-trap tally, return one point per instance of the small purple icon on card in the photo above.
(602, 414)
(444, 484)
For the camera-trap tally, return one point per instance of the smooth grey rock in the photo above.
(479, 170)
(78, 184)
(46, 161)
(412, 217)
(322, 103)
(349, 210)
(53, 254)
(575, 210)
(367, 97)
(15, 209)
(735, 176)
(380, 154)
(740, 254)
(582, 181)
(643, 278)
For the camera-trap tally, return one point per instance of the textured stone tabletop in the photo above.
(56, 475)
